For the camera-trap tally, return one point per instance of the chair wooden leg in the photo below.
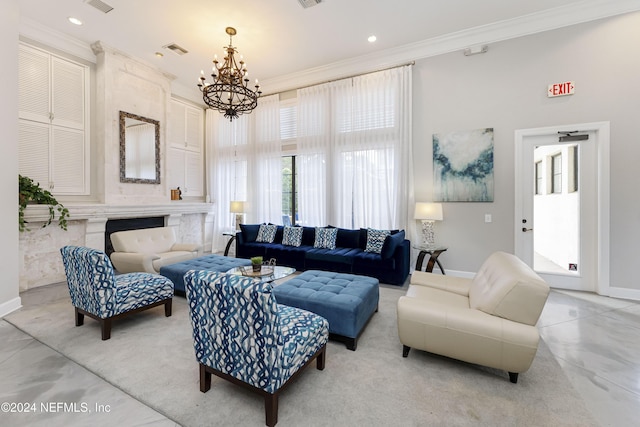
(513, 377)
(271, 408)
(321, 359)
(106, 328)
(205, 379)
(167, 308)
(79, 318)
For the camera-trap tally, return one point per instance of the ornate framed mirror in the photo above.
(139, 149)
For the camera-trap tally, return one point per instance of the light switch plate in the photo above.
(487, 218)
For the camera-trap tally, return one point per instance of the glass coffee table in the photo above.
(268, 273)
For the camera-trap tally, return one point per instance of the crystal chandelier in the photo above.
(229, 93)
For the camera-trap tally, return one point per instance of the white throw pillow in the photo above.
(292, 236)
(267, 233)
(375, 240)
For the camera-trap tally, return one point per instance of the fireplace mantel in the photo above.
(40, 213)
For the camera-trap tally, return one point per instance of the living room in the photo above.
(504, 89)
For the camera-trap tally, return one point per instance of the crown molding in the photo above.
(100, 48)
(546, 20)
(49, 37)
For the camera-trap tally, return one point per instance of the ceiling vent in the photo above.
(100, 5)
(309, 3)
(178, 50)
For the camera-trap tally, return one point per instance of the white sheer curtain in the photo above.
(265, 171)
(354, 151)
(245, 165)
(354, 162)
(314, 154)
(228, 167)
(373, 142)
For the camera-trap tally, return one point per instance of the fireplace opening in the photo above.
(114, 225)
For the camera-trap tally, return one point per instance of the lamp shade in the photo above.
(432, 211)
(236, 206)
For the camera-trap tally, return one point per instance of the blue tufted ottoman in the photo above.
(176, 271)
(347, 301)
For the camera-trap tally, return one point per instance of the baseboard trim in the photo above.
(10, 306)
(625, 293)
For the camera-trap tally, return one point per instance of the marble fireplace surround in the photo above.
(40, 261)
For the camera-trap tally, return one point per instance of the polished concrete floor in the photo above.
(595, 339)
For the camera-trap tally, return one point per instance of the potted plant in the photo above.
(256, 263)
(30, 192)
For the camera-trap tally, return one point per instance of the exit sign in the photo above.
(561, 89)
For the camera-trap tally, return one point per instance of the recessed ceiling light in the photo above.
(159, 54)
(372, 38)
(74, 21)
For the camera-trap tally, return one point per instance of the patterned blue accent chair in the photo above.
(242, 335)
(98, 293)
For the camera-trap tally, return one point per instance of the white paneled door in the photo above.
(562, 204)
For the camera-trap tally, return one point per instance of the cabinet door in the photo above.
(175, 168)
(67, 94)
(53, 99)
(194, 129)
(194, 176)
(33, 151)
(34, 85)
(177, 124)
(184, 170)
(68, 161)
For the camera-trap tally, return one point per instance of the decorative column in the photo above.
(94, 237)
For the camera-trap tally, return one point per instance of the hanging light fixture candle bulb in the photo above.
(229, 93)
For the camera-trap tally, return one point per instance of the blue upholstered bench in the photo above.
(176, 271)
(347, 301)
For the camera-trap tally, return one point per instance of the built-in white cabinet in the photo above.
(185, 159)
(53, 139)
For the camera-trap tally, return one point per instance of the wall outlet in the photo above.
(487, 218)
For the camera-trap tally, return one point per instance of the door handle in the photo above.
(524, 229)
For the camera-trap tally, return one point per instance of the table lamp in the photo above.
(428, 213)
(237, 207)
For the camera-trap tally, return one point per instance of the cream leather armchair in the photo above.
(488, 320)
(148, 249)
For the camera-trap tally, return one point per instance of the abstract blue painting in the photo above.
(463, 166)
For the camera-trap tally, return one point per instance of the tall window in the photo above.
(539, 178)
(556, 174)
(573, 169)
(289, 190)
(288, 125)
(354, 151)
(246, 165)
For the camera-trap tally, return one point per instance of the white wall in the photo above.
(506, 89)
(9, 14)
(126, 84)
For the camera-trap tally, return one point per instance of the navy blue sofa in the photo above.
(391, 266)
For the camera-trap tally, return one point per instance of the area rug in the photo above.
(151, 358)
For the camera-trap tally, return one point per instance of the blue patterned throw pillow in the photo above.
(292, 236)
(325, 238)
(267, 233)
(375, 240)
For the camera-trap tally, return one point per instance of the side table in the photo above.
(434, 252)
(231, 240)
